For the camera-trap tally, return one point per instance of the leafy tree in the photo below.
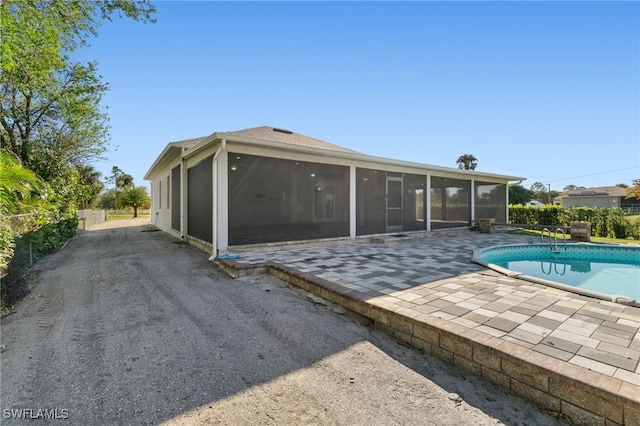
(622, 185)
(538, 186)
(136, 197)
(634, 191)
(106, 200)
(467, 162)
(572, 188)
(518, 194)
(89, 185)
(50, 114)
(120, 180)
(541, 193)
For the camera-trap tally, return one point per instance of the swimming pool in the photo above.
(610, 272)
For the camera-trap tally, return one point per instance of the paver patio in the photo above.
(429, 278)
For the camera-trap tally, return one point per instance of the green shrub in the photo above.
(605, 222)
(530, 215)
(6, 246)
(24, 238)
(634, 228)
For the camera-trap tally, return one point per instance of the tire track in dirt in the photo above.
(198, 300)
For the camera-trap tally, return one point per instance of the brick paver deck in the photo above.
(429, 280)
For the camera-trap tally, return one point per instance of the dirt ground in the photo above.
(129, 326)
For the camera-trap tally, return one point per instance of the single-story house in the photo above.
(271, 185)
(600, 197)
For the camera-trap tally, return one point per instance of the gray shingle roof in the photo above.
(613, 191)
(275, 134)
(186, 143)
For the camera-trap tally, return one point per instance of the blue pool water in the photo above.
(587, 268)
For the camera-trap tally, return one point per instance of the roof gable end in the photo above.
(275, 134)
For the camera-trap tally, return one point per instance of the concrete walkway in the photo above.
(576, 356)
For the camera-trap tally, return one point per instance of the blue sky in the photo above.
(545, 90)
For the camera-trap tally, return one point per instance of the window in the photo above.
(200, 200)
(159, 194)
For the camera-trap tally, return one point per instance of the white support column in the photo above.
(473, 200)
(219, 200)
(428, 201)
(214, 206)
(352, 201)
(506, 206)
(223, 201)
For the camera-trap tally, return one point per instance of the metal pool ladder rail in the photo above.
(553, 243)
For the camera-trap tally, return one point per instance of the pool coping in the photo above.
(562, 388)
(621, 299)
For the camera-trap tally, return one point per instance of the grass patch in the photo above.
(127, 213)
(126, 216)
(567, 236)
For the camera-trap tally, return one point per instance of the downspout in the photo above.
(214, 188)
(184, 189)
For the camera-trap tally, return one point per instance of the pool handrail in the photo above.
(553, 244)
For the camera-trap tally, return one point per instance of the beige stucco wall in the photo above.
(586, 201)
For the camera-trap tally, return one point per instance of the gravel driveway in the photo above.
(130, 327)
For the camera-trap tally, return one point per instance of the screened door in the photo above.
(394, 203)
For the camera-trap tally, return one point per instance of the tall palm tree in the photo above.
(136, 197)
(89, 185)
(467, 162)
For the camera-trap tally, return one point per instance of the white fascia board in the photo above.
(166, 153)
(469, 174)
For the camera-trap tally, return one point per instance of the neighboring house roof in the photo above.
(275, 134)
(601, 191)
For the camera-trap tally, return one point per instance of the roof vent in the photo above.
(288, 132)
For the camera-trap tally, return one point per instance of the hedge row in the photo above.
(605, 222)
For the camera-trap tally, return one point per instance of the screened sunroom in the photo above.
(270, 185)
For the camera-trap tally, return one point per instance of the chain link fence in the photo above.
(25, 239)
